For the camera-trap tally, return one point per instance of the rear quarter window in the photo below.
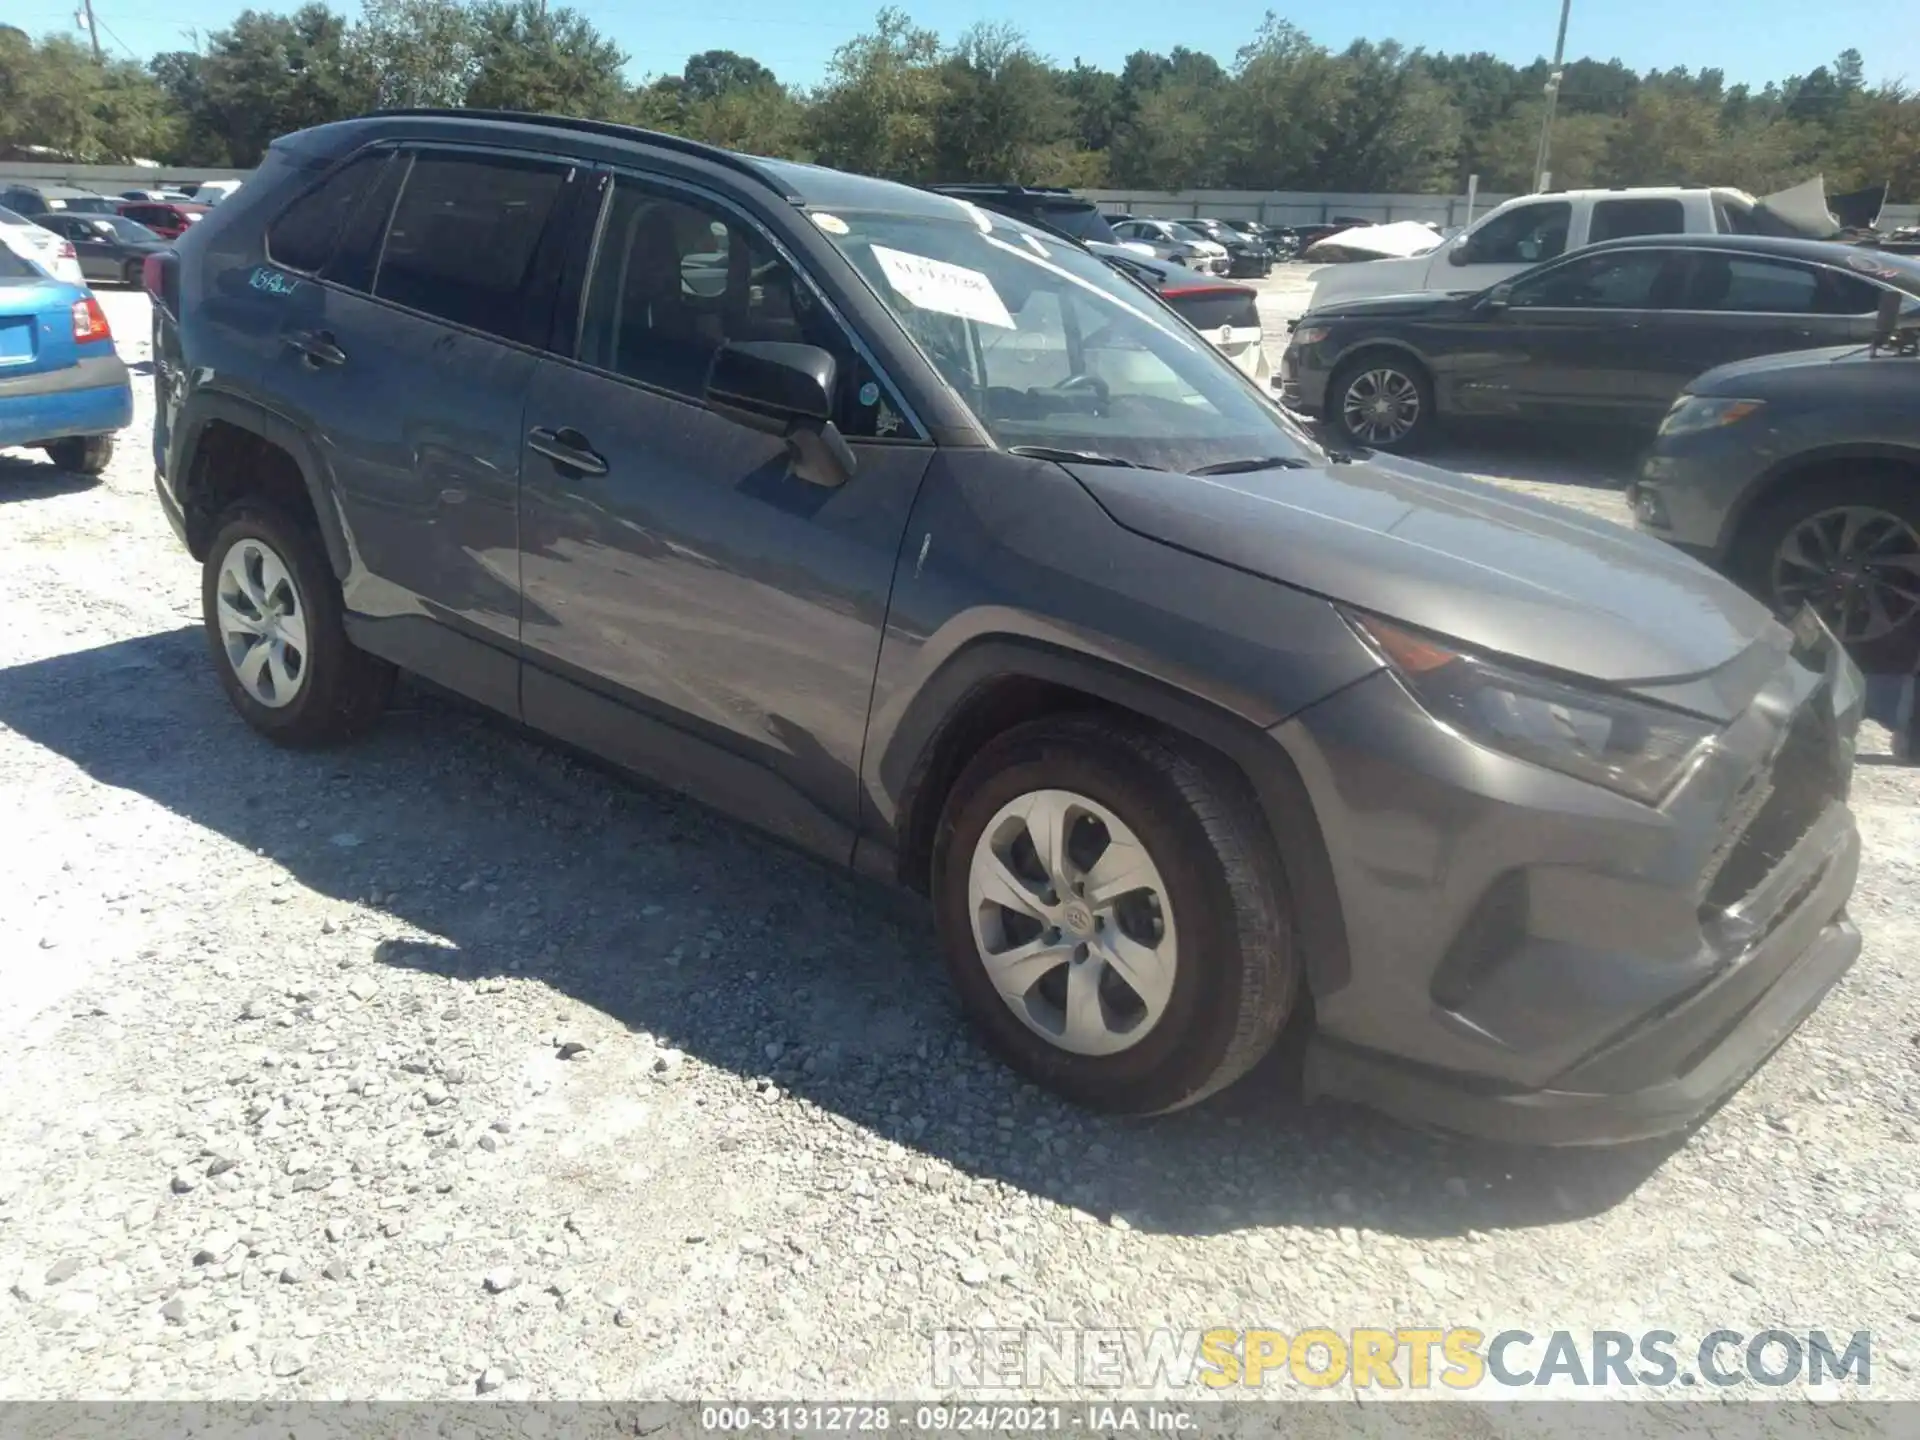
(1619, 219)
(1208, 310)
(304, 236)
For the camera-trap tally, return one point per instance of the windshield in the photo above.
(1049, 347)
(1189, 234)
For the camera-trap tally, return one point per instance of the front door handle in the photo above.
(568, 449)
(317, 347)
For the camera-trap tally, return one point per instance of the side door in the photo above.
(1504, 245)
(692, 609)
(1585, 335)
(1735, 305)
(430, 274)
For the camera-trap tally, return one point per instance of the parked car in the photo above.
(1279, 241)
(211, 192)
(1245, 256)
(930, 547)
(1799, 475)
(49, 251)
(63, 388)
(1226, 315)
(1050, 207)
(161, 197)
(167, 220)
(109, 247)
(1530, 229)
(41, 199)
(1610, 334)
(1171, 240)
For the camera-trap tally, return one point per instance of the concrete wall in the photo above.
(108, 179)
(1293, 207)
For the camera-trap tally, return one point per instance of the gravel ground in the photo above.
(447, 1066)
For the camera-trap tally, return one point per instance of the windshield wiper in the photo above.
(1075, 457)
(1251, 462)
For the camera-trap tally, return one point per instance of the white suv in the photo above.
(1531, 228)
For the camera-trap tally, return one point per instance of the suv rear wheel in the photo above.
(273, 619)
(1113, 913)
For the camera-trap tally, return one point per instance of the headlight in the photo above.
(1623, 744)
(1309, 334)
(1707, 412)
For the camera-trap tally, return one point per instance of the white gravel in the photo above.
(284, 1110)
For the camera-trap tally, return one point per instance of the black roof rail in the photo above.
(613, 131)
(990, 187)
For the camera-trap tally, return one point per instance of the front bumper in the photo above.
(92, 397)
(1302, 389)
(1532, 959)
(1689, 487)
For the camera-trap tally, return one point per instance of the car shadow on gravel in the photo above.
(489, 855)
(38, 480)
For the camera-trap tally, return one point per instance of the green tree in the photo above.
(417, 52)
(544, 61)
(876, 112)
(54, 94)
(713, 73)
(1001, 114)
(262, 77)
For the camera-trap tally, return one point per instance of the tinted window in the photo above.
(1627, 281)
(1619, 219)
(463, 238)
(1525, 235)
(304, 235)
(1748, 283)
(1083, 222)
(1208, 310)
(1846, 295)
(672, 281)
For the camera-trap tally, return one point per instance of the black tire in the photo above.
(1367, 363)
(1235, 980)
(1891, 490)
(82, 454)
(343, 690)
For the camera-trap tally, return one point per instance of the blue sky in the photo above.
(1752, 40)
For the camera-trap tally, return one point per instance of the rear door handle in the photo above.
(568, 449)
(317, 347)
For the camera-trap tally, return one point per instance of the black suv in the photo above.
(925, 540)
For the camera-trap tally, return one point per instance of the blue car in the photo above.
(63, 388)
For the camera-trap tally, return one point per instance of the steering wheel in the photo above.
(1092, 385)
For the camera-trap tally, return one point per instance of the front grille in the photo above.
(1778, 806)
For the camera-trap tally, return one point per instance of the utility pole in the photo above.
(1541, 174)
(93, 30)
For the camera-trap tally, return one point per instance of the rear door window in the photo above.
(1748, 284)
(304, 236)
(464, 237)
(1619, 219)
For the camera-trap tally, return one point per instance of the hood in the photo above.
(1500, 572)
(1731, 379)
(1396, 240)
(1427, 303)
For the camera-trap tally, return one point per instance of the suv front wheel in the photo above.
(1113, 913)
(273, 620)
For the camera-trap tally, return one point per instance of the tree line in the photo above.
(899, 101)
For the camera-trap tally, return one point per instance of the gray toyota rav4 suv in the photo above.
(924, 540)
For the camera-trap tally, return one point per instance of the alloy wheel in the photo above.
(262, 622)
(1858, 565)
(1072, 922)
(1380, 406)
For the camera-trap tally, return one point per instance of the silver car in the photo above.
(1182, 244)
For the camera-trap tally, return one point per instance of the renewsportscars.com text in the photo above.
(1459, 1358)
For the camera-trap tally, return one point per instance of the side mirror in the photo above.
(784, 389)
(1500, 296)
(1457, 255)
(1886, 320)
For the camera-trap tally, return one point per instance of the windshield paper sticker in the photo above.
(945, 289)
